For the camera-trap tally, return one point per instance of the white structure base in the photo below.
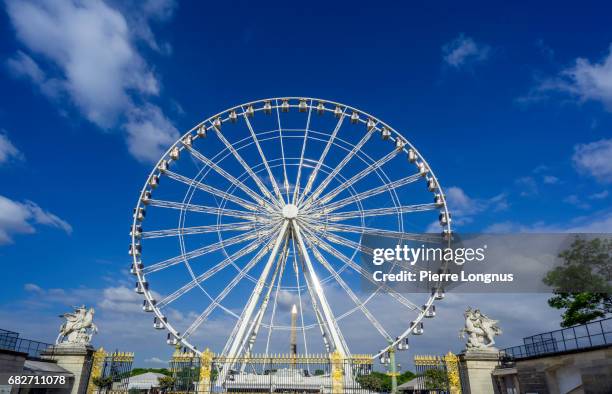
(478, 366)
(76, 359)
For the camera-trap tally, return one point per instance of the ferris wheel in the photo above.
(251, 226)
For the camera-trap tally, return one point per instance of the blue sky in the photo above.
(511, 104)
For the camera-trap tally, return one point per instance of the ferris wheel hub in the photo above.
(290, 211)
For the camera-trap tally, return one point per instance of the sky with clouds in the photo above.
(511, 104)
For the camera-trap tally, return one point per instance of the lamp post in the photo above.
(392, 369)
(388, 358)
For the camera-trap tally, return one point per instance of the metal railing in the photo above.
(583, 336)
(10, 340)
(267, 373)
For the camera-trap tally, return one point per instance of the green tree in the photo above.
(166, 383)
(381, 382)
(103, 384)
(582, 284)
(375, 381)
(435, 379)
(405, 377)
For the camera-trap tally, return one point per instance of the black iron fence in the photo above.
(584, 336)
(10, 340)
(271, 374)
(438, 374)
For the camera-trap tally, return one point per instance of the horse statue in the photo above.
(78, 327)
(480, 329)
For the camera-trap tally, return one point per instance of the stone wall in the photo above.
(11, 362)
(578, 372)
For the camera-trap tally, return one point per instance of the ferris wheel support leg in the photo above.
(254, 300)
(330, 320)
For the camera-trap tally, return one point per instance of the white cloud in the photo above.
(463, 51)
(528, 185)
(550, 179)
(595, 159)
(599, 196)
(91, 47)
(31, 287)
(8, 151)
(23, 66)
(544, 49)
(462, 205)
(148, 11)
(120, 326)
(149, 132)
(586, 80)
(600, 222)
(156, 360)
(573, 199)
(21, 218)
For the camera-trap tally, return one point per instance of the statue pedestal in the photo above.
(477, 366)
(75, 358)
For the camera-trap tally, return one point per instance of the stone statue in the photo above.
(78, 327)
(480, 329)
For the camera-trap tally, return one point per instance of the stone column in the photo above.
(478, 366)
(74, 358)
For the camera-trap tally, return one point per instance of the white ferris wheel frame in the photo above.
(302, 230)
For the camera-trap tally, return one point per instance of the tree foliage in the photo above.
(103, 383)
(381, 382)
(582, 284)
(166, 383)
(375, 381)
(435, 379)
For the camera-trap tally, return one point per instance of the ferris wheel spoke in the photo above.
(366, 194)
(339, 240)
(379, 212)
(206, 161)
(282, 146)
(365, 274)
(238, 339)
(371, 318)
(330, 320)
(338, 168)
(213, 228)
(325, 333)
(204, 315)
(256, 325)
(252, 216)
(247, 168)
(281, 263)
(299, 291)
(212, 190)
(349, 182)
(209, 273)
(299, 174)
(203, 250)
(347, 228)
(315, 172)
(279, 195)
